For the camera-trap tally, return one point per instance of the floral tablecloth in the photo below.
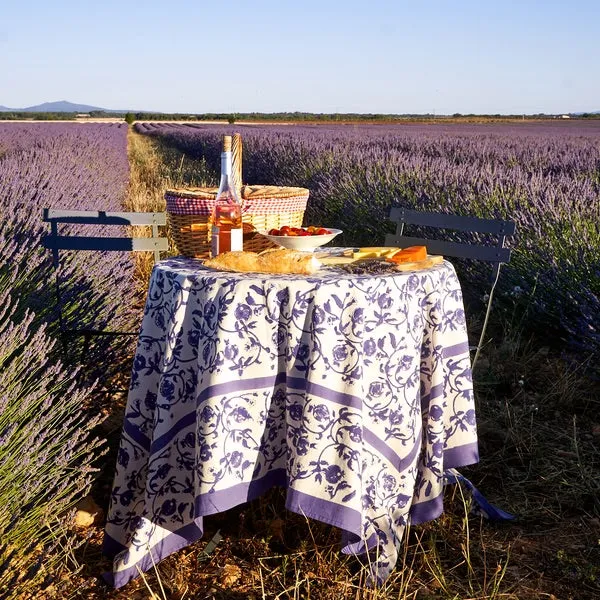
(353, 392)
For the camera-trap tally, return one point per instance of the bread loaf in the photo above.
(272, 261)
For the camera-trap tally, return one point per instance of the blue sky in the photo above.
(375, 56)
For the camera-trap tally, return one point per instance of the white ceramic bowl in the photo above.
(306, 243)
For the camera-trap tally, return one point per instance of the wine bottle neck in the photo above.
(225, 164)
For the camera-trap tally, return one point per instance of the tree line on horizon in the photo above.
(131, 117)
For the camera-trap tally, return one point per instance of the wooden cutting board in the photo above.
(338, 260)
(430, 261)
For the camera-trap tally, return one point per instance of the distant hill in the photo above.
(60, 106)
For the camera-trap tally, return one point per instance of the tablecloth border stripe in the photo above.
(456, 350)
(175, 540)
(461, 456)
(346, 518)
(136, 435)
(394, 459)
(422, 512)
(219, 501)
(435, 392)
(294, 383)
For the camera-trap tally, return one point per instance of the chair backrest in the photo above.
(494, 253)
(55, 241)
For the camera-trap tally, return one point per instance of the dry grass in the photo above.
(153, 170)
(539, 434)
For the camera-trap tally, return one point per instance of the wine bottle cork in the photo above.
(226, 143)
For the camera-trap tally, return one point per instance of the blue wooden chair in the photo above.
(493, 252)
(57, 242)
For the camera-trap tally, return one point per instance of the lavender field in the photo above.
(538, 400)
(544, 176)
(47, 451)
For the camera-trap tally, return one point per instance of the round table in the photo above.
(352, 391)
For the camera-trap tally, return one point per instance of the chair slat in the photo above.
(120, 244)
(455, 249)
(93, 217)
(455, 222)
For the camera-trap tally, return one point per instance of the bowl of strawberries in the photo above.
(301, 238)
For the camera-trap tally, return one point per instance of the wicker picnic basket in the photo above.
(263, 207)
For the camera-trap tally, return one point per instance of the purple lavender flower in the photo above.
(126, 498)
(167, 388)
(163, 470)
(358, 316)
(279, 337)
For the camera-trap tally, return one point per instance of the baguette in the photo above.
(234, 261)
(274, 261)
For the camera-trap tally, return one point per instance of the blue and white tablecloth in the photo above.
(353, 392)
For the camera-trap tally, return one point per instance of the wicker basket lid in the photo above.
(207, 193)
(249, 192)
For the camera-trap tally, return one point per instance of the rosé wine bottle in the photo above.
(226, 231)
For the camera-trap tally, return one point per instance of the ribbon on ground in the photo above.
(481, 504)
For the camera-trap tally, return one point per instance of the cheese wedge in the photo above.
(430, 261)
(374, 252)
(410, 254)
(337, 260)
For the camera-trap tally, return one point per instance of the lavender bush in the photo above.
(46, 451)
(65, 166)
(544, 176)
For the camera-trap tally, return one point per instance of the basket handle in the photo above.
(236, 164)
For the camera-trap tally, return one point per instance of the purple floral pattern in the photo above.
(354, 392)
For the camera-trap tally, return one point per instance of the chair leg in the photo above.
(486, 319)
(87, 340)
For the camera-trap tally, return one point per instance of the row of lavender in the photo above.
(46, 452)
(546, 177)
